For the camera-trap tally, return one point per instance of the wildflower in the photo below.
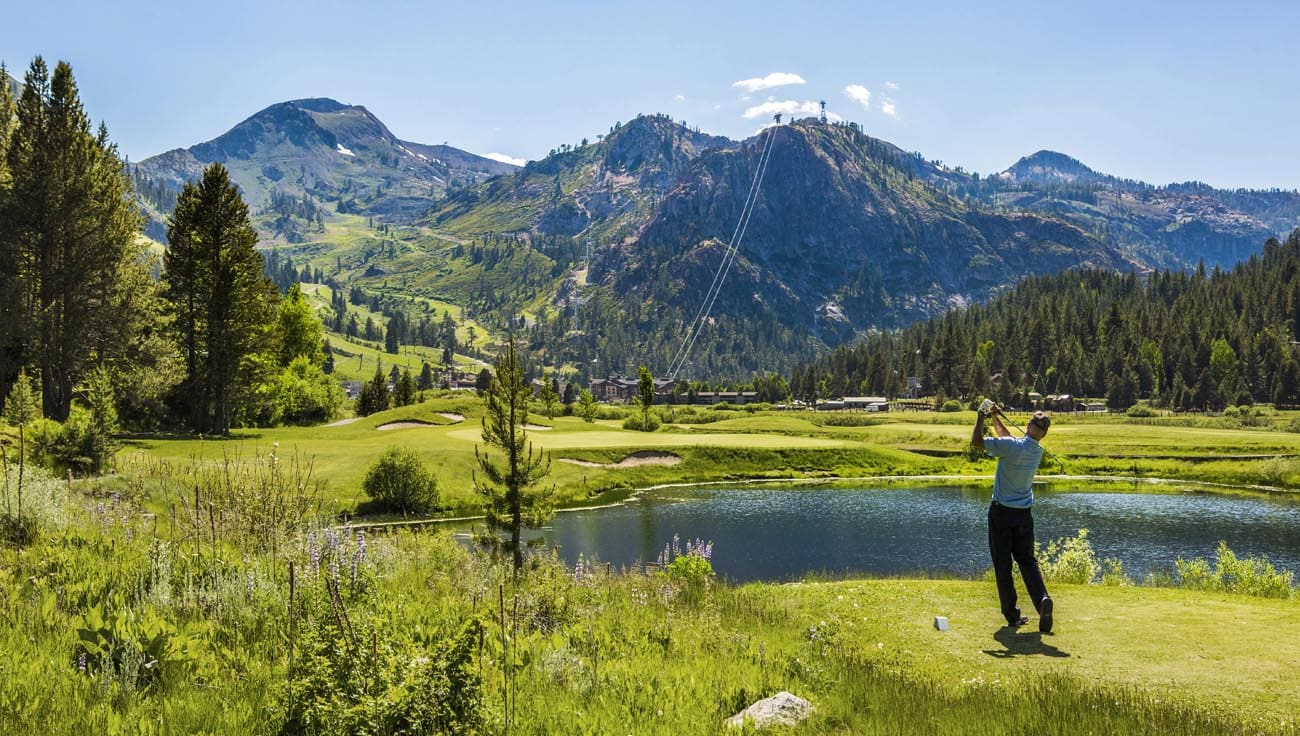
(81, 662)
(313, 553)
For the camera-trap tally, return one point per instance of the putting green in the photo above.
(559, 440)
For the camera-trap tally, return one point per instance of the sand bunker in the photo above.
(648, 457)
(343, 422)
(536, 427)
(453, 416)
(404, 425)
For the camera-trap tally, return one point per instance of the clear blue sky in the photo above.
(1158, 91)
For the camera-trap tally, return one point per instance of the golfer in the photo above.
(1011, 522)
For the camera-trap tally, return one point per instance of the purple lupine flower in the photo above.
(677, 546)
(361, 544)
(578, 571)
(81, 662)
(313, 553)
(708, 551)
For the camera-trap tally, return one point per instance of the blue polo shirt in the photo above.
(1018, 458)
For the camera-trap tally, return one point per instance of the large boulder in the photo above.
(781, 709)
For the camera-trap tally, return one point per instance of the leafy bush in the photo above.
(43, 505)
(1114, 573)
(1141, 411)
(399, 481)
(83, 444)
(706, 416)
(634, 422)
(350, 677)
(847, 420)
(1069, 560)
(304, 394)
(1251, 576)
(950, 405)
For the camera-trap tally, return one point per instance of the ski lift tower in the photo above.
(823, 116)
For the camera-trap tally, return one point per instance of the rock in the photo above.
(941, 623)
(781, 709)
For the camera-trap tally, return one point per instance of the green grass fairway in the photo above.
(1230, 651)
(560, 440)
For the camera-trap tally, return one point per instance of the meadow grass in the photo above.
(202, 633)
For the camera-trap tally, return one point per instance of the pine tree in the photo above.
(222, 303)
(68, 224)
(507, 486)
(645, 396)
(404, 389)
(374, 395)
(21, 408)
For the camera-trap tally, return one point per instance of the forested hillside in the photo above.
(1201, 340)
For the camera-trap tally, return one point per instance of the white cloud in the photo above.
(859, 94)
(891, 85)
(792, 108)
(679, 97)
(785, 107)
(775, 79)
(503, 158)
(888, 107)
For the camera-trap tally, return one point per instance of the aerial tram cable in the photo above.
(728, 257)
(696, 322)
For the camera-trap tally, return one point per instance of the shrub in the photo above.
(1114, 573)
(1140, 411)
(304, 394)
(1069, 560)
(951, 405)
(1251, 576)
(352, 677)
(399, 481)
(634, 422)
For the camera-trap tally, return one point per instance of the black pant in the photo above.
(1011, 536)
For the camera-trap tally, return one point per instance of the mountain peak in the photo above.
(1051, 167)
(322, 104)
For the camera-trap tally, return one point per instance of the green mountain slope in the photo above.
(304, 159)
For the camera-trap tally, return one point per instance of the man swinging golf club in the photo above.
(1011, 522)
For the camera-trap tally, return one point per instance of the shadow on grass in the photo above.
(1017, 643)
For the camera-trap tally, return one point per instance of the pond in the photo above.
(784, 534)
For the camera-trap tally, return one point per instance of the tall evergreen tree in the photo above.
(645, 396)
(222, 302)
(68, 225)
(506, 485)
